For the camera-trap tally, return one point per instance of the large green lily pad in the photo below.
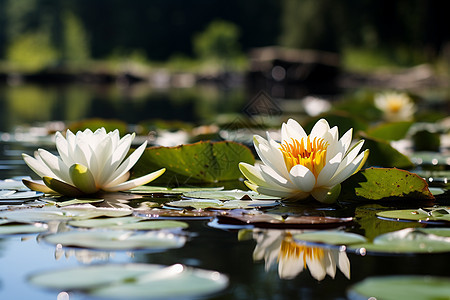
(411, 287)
(385, 184)
(199, 162)
(129, 281)
(117, 240)
(430, 215)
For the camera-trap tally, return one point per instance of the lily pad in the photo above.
(408, 240)
(218, 204)
(11, 227)
(117, 240)
(128, 281)
(72, 202)
(128, 223)
(12, 184)
(169, 191)
(228, 195)
(382, 154)
(15, 195)
(199, 162)
(411, 287)
(385, 184)
(433, 215)
(45, 214)
(263, 220)
(176, 214)
(332, 237)
(390, 131)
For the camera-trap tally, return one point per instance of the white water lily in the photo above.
(395, 106)
(279, 247)
(304, 165)
(88, 162)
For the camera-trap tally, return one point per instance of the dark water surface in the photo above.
(209, 248)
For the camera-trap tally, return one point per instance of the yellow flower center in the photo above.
(395, 105)
(290, 249)
(311, 154)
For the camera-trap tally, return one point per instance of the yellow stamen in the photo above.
(394, 105)
(290, 249)
(312, 155)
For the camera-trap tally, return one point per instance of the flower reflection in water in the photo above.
(279, 247)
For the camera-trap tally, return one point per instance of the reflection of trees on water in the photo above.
(279, 247)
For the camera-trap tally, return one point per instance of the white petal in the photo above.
(290, 266)
(135, 182)
(320, 129)
(303, 178)
(127, 164)
(118, 180)
(344, 264)
(346, 139)
(316, 266)
(329, 170)
(270, 154)
(268, 191)
(63, 149)
(38, 166)
(330, 261)
(274, 180)
(347, 171)
(292, 130)
(252, 173)
(56, 165)
(351, 155)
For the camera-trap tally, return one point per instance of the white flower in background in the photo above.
(278, 246)
(395, 106)
(88, 162)
(304, 165)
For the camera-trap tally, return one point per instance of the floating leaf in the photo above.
(176, 214)
(382, 154)
(440, 214)
(117, 240)
(12, 184)
(128, 223)
(411, 287)
(54, 214)
(145, 189)
(14, 195)
(199, 162)
(276, 221)
(408, 240)
(228, 195)
(385, 184)
(128, 281)
(218, 204)
(390, 131)
(332, 237)
(10, 227)
(72, 202)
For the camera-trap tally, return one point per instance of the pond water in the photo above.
(210, 247)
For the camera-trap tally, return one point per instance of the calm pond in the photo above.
(244, 254)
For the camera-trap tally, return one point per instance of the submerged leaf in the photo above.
(199, 162)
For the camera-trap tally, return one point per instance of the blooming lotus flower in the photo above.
(304, 165)
(88, 162)
(395, 106)
(279, 247)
